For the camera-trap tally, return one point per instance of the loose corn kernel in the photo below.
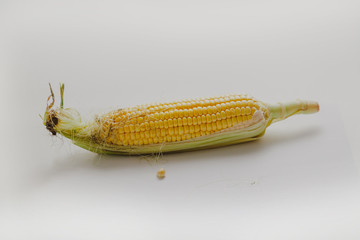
(161, 173)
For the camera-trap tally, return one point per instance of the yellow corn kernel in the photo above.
(224, 123)
(181, 131)
(243, 111)
(180, 123)
(192, 129)
(194, 121)
(197, 128)
(203, 119)
(219, 125)
(166, 123)
(170, 123)
(186, 129)
(189, 121)
(223, 115)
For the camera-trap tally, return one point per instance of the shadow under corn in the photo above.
(80, 161)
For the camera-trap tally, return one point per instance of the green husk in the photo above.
(68, 123)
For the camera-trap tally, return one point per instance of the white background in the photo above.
(300, 182)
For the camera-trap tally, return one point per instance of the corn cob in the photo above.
(173, 126)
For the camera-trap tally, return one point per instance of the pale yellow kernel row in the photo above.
(166, 111)
(173, 114)
(198, 107)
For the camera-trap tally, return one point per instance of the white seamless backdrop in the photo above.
(300, 182)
